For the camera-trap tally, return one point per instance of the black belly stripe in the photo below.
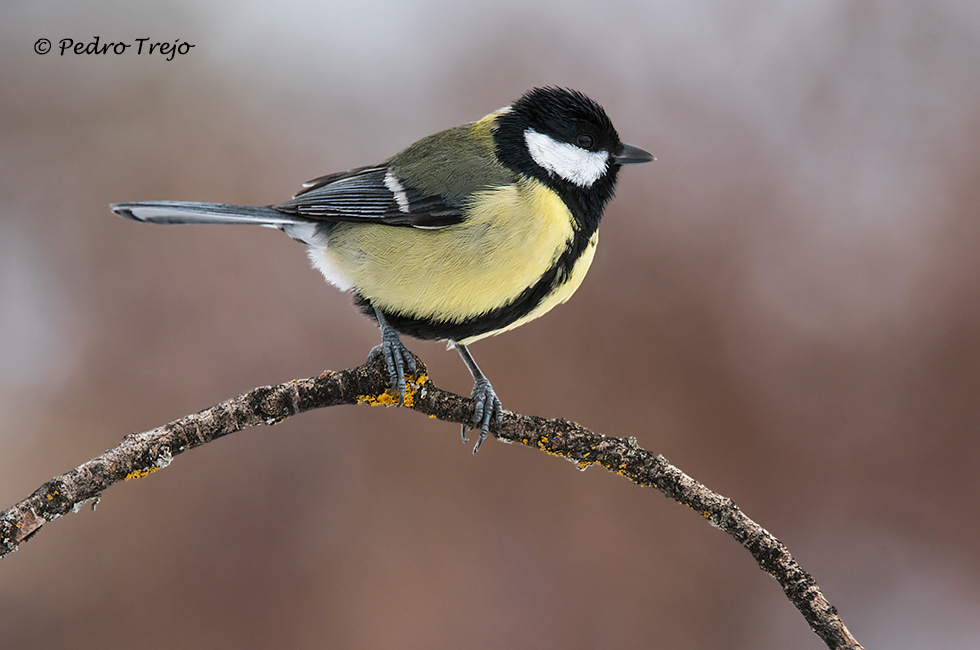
(495, 319)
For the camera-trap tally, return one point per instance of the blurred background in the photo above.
(786, 305)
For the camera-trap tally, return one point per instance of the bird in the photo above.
(465, 234)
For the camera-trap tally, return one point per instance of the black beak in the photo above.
(631, 155)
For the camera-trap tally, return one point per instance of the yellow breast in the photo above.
(560, 295)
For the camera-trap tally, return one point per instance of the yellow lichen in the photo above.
(390, 396)
(141, 473)
(387, 398)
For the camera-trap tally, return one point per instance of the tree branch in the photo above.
(141, 454)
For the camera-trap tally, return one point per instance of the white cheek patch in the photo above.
(574, 164)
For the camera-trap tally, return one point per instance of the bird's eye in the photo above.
(585, 141)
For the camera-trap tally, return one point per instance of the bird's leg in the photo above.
(488, 406)
(396, 355)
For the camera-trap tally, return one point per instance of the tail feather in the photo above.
(176, 212)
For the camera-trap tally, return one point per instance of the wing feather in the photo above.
(372, 195)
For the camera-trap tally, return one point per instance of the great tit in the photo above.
(467, 233)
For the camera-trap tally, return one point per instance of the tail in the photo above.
(204, 213)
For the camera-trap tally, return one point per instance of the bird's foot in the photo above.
(397, 360)
(487, 409)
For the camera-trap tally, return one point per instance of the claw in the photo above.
(396, 355)
(486, 408)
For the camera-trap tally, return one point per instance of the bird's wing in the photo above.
(374, 195)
